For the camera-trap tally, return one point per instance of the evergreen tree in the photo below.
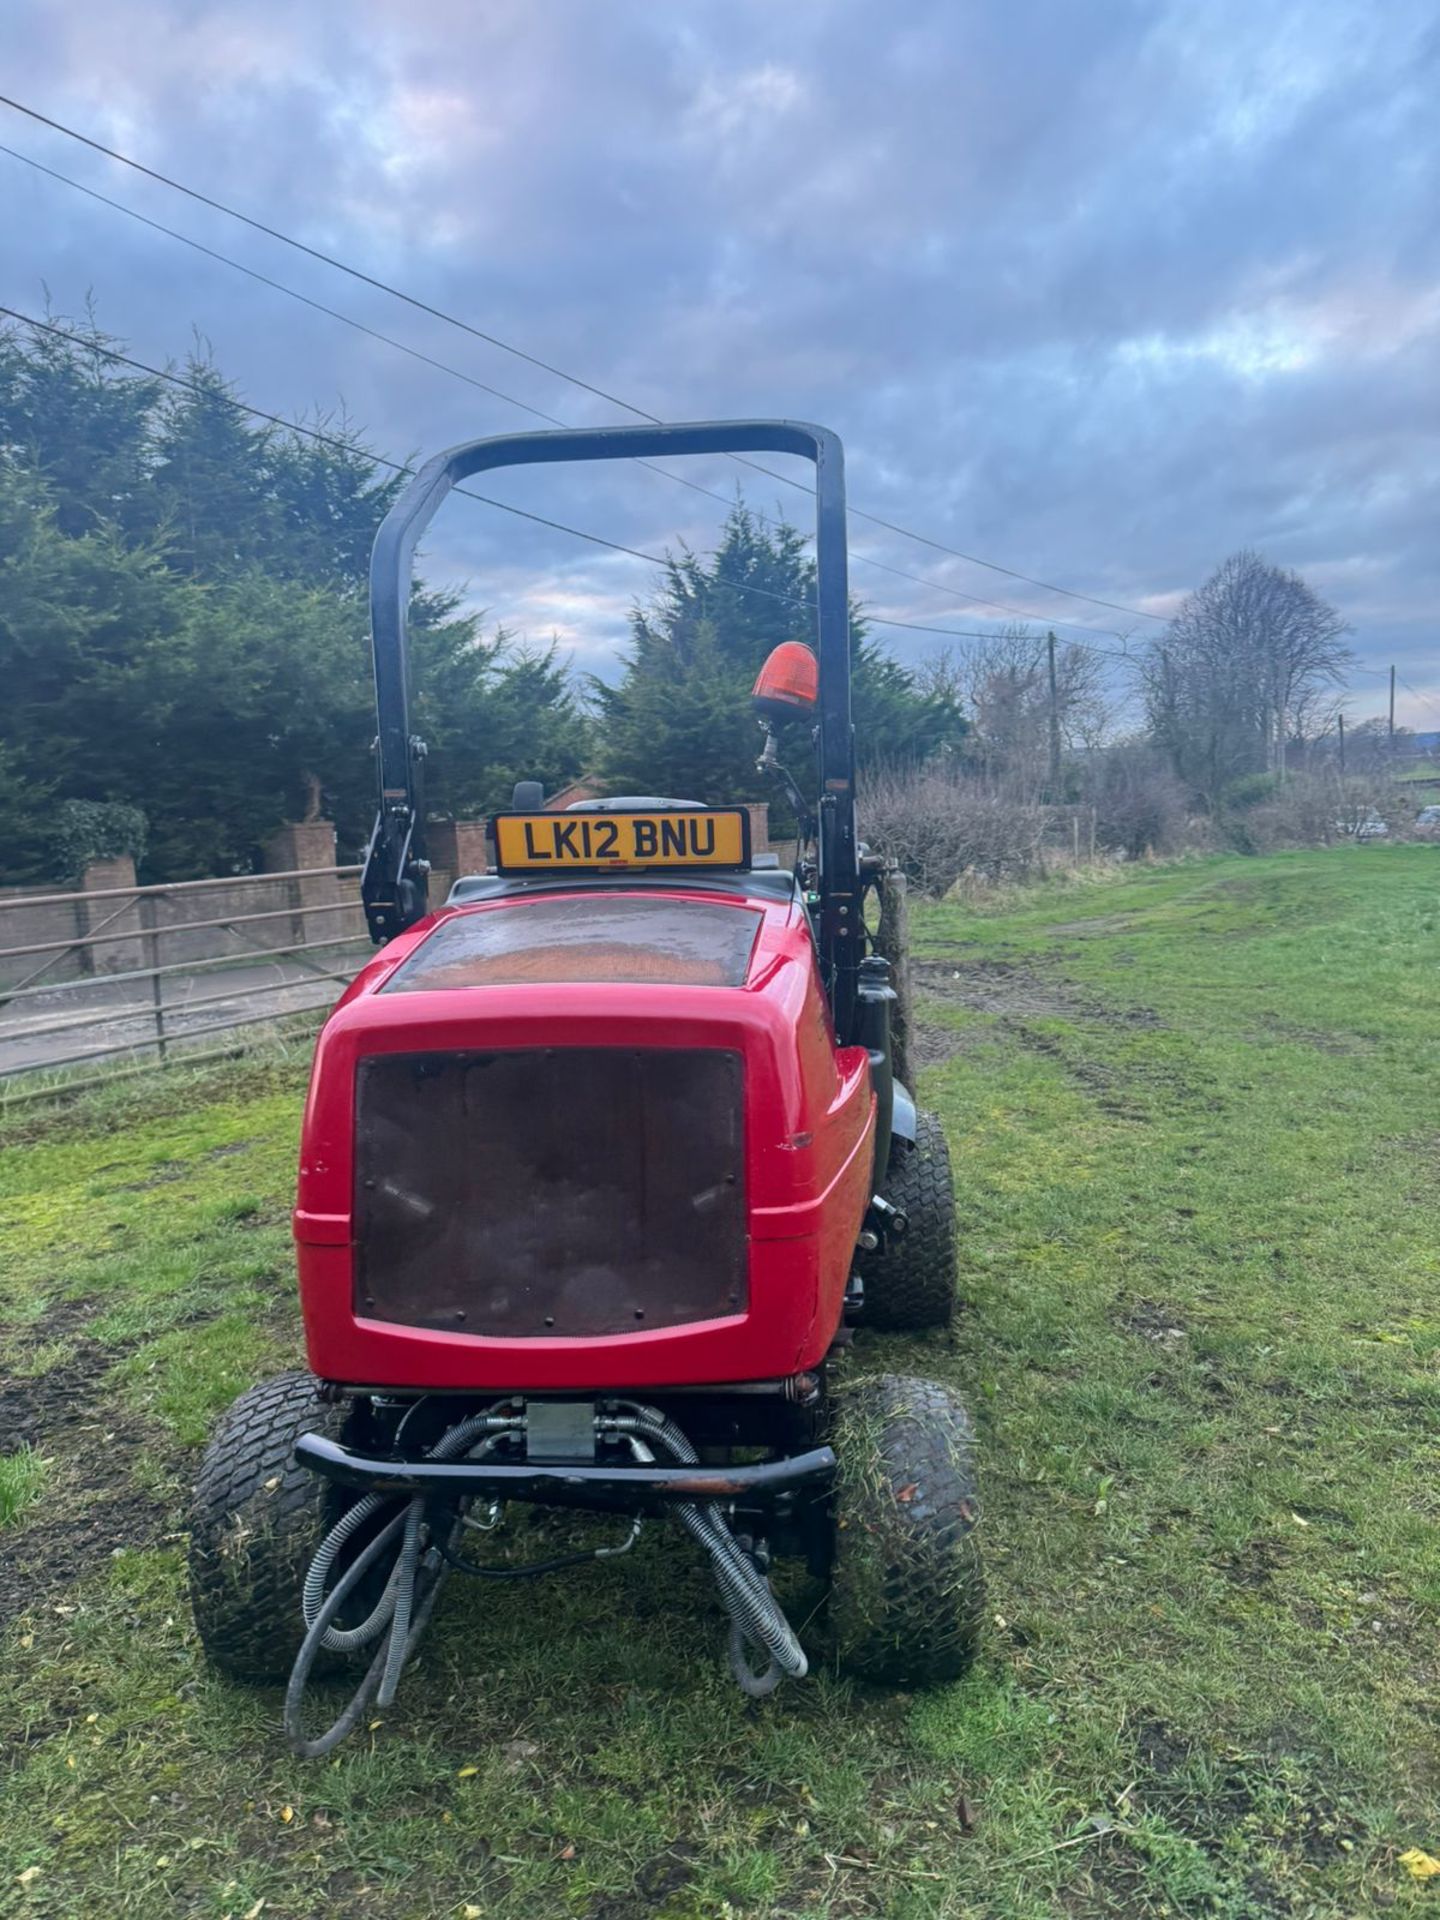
(679, 722)
(77, 615)
(330, 499)
(491, 712)
(184, 628)
(73, 421)
(24, 815)
(212, 480)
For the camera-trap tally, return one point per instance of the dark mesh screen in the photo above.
(550, 1191)
(592, 937)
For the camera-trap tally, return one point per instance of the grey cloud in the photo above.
(1102, 292)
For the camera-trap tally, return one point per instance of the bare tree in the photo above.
(1314, 722)
(1004, 686)
(1139, 807)
(1371, 748)
(1087, 708)
(940, 826)
(1242, 664)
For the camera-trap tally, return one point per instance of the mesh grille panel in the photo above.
(566, 1191)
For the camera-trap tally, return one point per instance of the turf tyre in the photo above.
(907, 1588)
(256, 1521)
(911, 1284)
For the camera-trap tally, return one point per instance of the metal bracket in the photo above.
(884, 1223)
(559, 1430)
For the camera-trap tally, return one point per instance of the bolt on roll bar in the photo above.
(393, 886)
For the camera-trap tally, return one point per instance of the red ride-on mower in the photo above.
(598, 1160)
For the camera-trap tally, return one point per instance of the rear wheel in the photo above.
(256, 1523)
(907, 1591)
(912, 1283)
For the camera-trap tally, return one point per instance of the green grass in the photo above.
(1194, 1117)
(22, 1481)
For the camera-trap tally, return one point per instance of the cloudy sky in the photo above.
(1096, 290)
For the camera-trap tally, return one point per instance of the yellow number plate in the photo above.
(596, 842)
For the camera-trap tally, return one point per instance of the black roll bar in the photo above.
(393, 886)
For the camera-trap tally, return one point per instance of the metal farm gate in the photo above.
(129, 978)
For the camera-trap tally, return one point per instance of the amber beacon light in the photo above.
(788, 685)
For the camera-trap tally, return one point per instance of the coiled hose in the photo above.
(351, 1639)
(402, 1612)
(756, 1618)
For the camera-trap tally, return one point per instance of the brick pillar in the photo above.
(296, 846)
(109, 916)
(303, 843)
(759, 812)
(457, 847)
(101, 875)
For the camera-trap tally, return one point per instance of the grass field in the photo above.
(1195, 1119)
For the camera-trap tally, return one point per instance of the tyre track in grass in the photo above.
(91, 1506)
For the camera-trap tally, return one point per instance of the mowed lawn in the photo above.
(1196, 1117)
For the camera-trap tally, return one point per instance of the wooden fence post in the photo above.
(892, 939)
(151, 944)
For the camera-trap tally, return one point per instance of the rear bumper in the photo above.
(627, 1489)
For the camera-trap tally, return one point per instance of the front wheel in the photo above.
(907, 1594)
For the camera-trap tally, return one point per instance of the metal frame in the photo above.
(624, 1488)
(393, 885)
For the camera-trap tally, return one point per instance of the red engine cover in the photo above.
(641, 969)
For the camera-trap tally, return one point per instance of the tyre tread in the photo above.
(256, 1521)
(911, 1285)
(908, 1595)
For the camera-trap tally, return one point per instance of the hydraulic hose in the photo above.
(755, 1615)
(312, 1598)
(398, 1643)
(351, 1639)
(315, 1749)
(402, 1612)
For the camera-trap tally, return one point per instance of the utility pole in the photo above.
(1392, 712)
(1342, 744)
(1054, 721)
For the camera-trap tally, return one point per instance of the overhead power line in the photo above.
(333, 313)
(483, 386)
(315, 253)
(395, 466)
(1415, 694)
(1115, 606)
(293, 293)
(1383, 673)
(534, 360)
(314, 433)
